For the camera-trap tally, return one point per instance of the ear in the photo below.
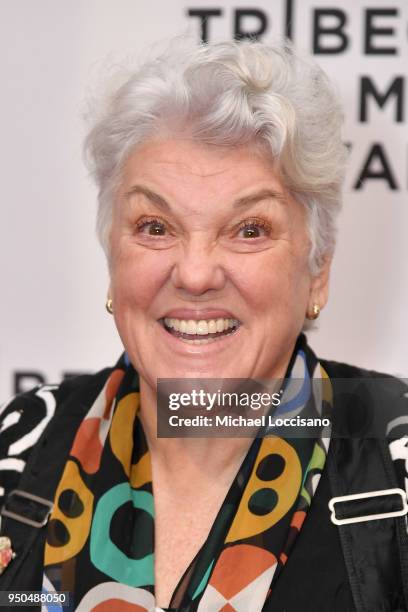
(319, 286)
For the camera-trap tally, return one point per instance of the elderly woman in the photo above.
(219, 169)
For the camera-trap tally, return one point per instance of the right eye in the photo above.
(151, 227)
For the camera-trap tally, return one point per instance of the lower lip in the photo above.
(198, 349)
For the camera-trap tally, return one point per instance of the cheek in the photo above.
(137, 275)
(274, 284)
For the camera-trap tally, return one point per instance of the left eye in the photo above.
(252, 230)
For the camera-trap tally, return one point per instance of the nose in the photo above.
(198, 268)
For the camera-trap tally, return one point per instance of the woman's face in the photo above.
(209, 263)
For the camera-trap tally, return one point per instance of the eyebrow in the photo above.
(150, 195)
(249, 200)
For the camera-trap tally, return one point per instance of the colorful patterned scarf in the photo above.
(100, 538)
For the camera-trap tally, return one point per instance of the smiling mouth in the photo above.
(202, 331)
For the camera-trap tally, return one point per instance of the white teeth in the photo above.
(191, 327)
(212, 327)
(220, 325)
(203, 327)
(206, 341)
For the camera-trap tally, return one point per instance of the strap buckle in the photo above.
(41, 513)
(368, 517)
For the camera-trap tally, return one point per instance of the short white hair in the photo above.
(229, 93)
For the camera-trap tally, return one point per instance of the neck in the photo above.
(214, 456)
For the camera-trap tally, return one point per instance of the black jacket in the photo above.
(362, 566)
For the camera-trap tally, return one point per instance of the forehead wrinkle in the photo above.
(243, 202)
(198, 173)
(259, 196)
(194, 168)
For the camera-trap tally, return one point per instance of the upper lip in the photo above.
(198, 315)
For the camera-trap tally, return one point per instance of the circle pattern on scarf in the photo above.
(105, 555)
(263, 501)
(259, 510)
(270, 467)
(245, 586)
(70, 503)
(132, 521)
(113, 596)
(67, 530)
(57, 533)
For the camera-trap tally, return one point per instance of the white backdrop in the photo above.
(53, 274)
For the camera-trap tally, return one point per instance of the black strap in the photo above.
(400, 522)
(378, 573)
(37, 486)
(40, 478)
